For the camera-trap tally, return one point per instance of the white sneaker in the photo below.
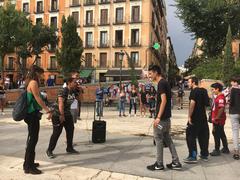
(135, 115)
(129, 115)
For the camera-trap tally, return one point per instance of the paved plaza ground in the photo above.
(125, 155)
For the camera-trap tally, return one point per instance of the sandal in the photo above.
(236, 156)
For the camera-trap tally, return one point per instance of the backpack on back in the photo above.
(20, 108)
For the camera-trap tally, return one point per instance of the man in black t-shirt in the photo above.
(197, 126)
(162, 124)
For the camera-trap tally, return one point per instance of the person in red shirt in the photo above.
(218, 120)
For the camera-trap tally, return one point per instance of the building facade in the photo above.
(106, 28)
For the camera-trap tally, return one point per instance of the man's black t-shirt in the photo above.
(164, 88)
(200, 96)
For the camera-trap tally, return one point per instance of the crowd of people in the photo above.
(158, 100)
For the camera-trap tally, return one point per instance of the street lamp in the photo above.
(121, 54)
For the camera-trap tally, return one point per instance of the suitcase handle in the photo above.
(95, 107)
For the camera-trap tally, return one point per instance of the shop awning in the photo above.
(85, 73)
(125, 73)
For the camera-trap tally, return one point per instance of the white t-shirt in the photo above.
(74, 105)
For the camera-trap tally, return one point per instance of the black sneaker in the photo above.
(204, 158)
(33, 171)
(175, 166)
(72, 151)
(225, 151)
(50, 154)
(190, 160)
(215, 153)
(155, 166)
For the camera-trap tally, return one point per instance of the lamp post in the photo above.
(121, 54)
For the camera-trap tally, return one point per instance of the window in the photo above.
(89, 17)
(88, 60)
(53, 22)
(135, 37)
(89, 2)
(39, 6)
(104, 1)
(39, 20)
(26, 7)
(119, 15)
(54, 5)
(135, 58)
(53, 63)
(76, 17)
(117, 60)
(75, 2)
(38, 61)
(103, 38)
(103, 60)
(135, 13)
(89, 39)
(119, 37)
(10, 63)
(104, 16)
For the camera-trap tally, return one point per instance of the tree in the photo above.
(193, 62)
(209, 20)
(42, 37)
(69, 55)
(228, 62)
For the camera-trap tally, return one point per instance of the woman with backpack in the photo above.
(35, 105)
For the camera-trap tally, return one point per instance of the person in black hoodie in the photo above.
(234, 111)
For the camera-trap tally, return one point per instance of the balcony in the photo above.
(89, 45)
(39, 11)
(75, 4)
(119, 1)
(104, 44)
(136, 20)
(89, 24)
(104, 2)
(118, 44)
(89, 3)
(119, 22)
(134, 44)
(102, 22)
(53, 9)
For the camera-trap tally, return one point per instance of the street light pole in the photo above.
(121, 54)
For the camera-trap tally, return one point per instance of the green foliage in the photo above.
(228, 63)
(69, 55)
(209, 20)
(211, 69)
(192, 62)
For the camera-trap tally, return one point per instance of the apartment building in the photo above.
(106, 27)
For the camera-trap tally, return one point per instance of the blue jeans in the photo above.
(121, 107)
(99, 107)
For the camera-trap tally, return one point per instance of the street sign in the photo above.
(156, 46)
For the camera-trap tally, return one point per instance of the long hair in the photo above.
(33, 74)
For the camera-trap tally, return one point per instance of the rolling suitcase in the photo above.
(98, 129)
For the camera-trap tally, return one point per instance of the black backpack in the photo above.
(20, 108)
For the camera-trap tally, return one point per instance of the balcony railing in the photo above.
(118, 1)
(104, 2)
(102, 22)
(39, 11)
(89, 45)
(132, 20)
(134, 44)
(117, 44)
(88, 24)
(75, 4)
(103, 44)
(54, 9)
(89, 2)
(119, 21)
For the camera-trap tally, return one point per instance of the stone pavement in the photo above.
(125, 155)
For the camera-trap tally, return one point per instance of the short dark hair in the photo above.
(194, 80)
(70, 79)
(155, 68)
(217, 86)
(235, 79)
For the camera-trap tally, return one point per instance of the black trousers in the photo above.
(57, 130)
(219, 134)
(200, 132)
(132, 105)
(79, 108)
(32, 120)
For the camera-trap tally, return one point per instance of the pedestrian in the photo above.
(152, 102)
(218, 120)
(99, 100)
(143, 101)
(122, 101)
(35, 104)
(133, 100)
(180, 95)
(197, 126)
(7, 82)
(62, 117)
(2, 96)
(80, 99)
(162, 122)
(234, 111)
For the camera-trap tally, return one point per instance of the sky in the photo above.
(182, 41)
